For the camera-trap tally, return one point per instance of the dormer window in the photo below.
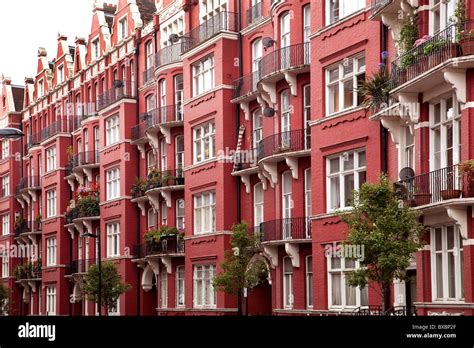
(95, 49)
(123, 28)
(60, 74)
(40, 88)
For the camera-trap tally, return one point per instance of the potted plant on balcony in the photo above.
(401, 190)
(451, 191)
(422, 195)
(19, 223)
(375, 90)
(38, 219)
(168, 179)
(466, 170)
(179, 176)
(138, 188)
(407, 38)
(153, 179)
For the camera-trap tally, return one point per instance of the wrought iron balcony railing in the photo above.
(164, 178)
(285, 229)
(166, 245)
(148, 75)
(290, 141)
(285, 58)
(138, 131)
(245, 159)
(59, 126)
(377, 5)
(168, 55)
(27, 226)
(164, 115)
(80, 266)
(120, 90)
(433, 187)
(254, 13)
(33, 140)
(223, 21)
(85, 158)
(246, 84)
(433, 52)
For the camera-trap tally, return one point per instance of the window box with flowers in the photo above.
(162, 240)
(153, 179)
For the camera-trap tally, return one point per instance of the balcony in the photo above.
(83, 163)
(221, 22)
(286, 62)
(163, 119)
(27, 272)
(163, 183)
(282, 230)
(245, 88)
(148, 75)
(23, 227)
(84, 112)
(254, 13)
(79, 266)
(120, 90)
(59, 126)
(138, 133)
(33, 140)
(168, 55)
(167, 246)
(442, 186)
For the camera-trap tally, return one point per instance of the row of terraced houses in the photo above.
(168, 91)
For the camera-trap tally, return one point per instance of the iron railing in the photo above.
(254, 13)
(433, 52)
(59, 126)
(223, 21)
(148, 75)
(245, 159)
(29, 182)
(285, 229)
(376, 310)
(85, 158)
(246, 84)
(138, 131)
(167, 55)
(168, 177)
(164, 115)
(377, 5)
(79, 266)
(120, 90)
(285, 58)
(166, 245)
(27, 226)
(33, 140)
(28, 271)
(290, 141)
(433, 187)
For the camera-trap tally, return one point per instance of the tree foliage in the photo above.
(238, 269)
(389, 232)
(111, 285)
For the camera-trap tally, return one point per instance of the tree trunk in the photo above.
(239, 303)
(385, 297)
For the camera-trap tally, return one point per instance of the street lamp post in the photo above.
(91, 235)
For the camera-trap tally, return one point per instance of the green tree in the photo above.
(4, 297)
(111, 285)
(238, 269)
(389, 232)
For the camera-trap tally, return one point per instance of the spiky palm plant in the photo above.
(375, 90)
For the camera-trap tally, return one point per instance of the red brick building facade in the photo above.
(182, 118)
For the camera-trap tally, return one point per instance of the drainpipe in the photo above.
(138, 40)
(383, 130)
(237, 106)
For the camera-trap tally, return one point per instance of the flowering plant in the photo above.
(421, 41)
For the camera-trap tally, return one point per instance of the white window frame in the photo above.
(307, 199)
(457, 253)
(113, 239)
(203, 75)
(151, 218)
(180, 214)
(51, 300)
(163, 278)
(343, 270)
(51, 203)
(204, 139)
(5, 265)
(113, 183)
(440, 14)
(205, 210)
(5, 148)
(60, 74)
(258, 205)
(112, 128)
(6, 186)
(123, 28)
(51, 159)
(202, 278)
(343, 10)
(358, 69)
(358, 169)
(180, 286)
(309, 281)
(51, 251)
(95, 48)
(257, 123)
(288, 285)
(5, 224)
(164, 213)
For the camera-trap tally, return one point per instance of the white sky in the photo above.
(26, 25)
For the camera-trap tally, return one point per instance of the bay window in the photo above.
(204, 142)
(50, 300)
(338, 9)
(51, 203)
(113, 239)
(346, 172)
(203, 75)
(51, 251)
(288, 283)
(51, 158)
(113, 183)
(112, 129)
(180, 279)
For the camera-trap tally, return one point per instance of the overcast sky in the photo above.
(26, 25)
